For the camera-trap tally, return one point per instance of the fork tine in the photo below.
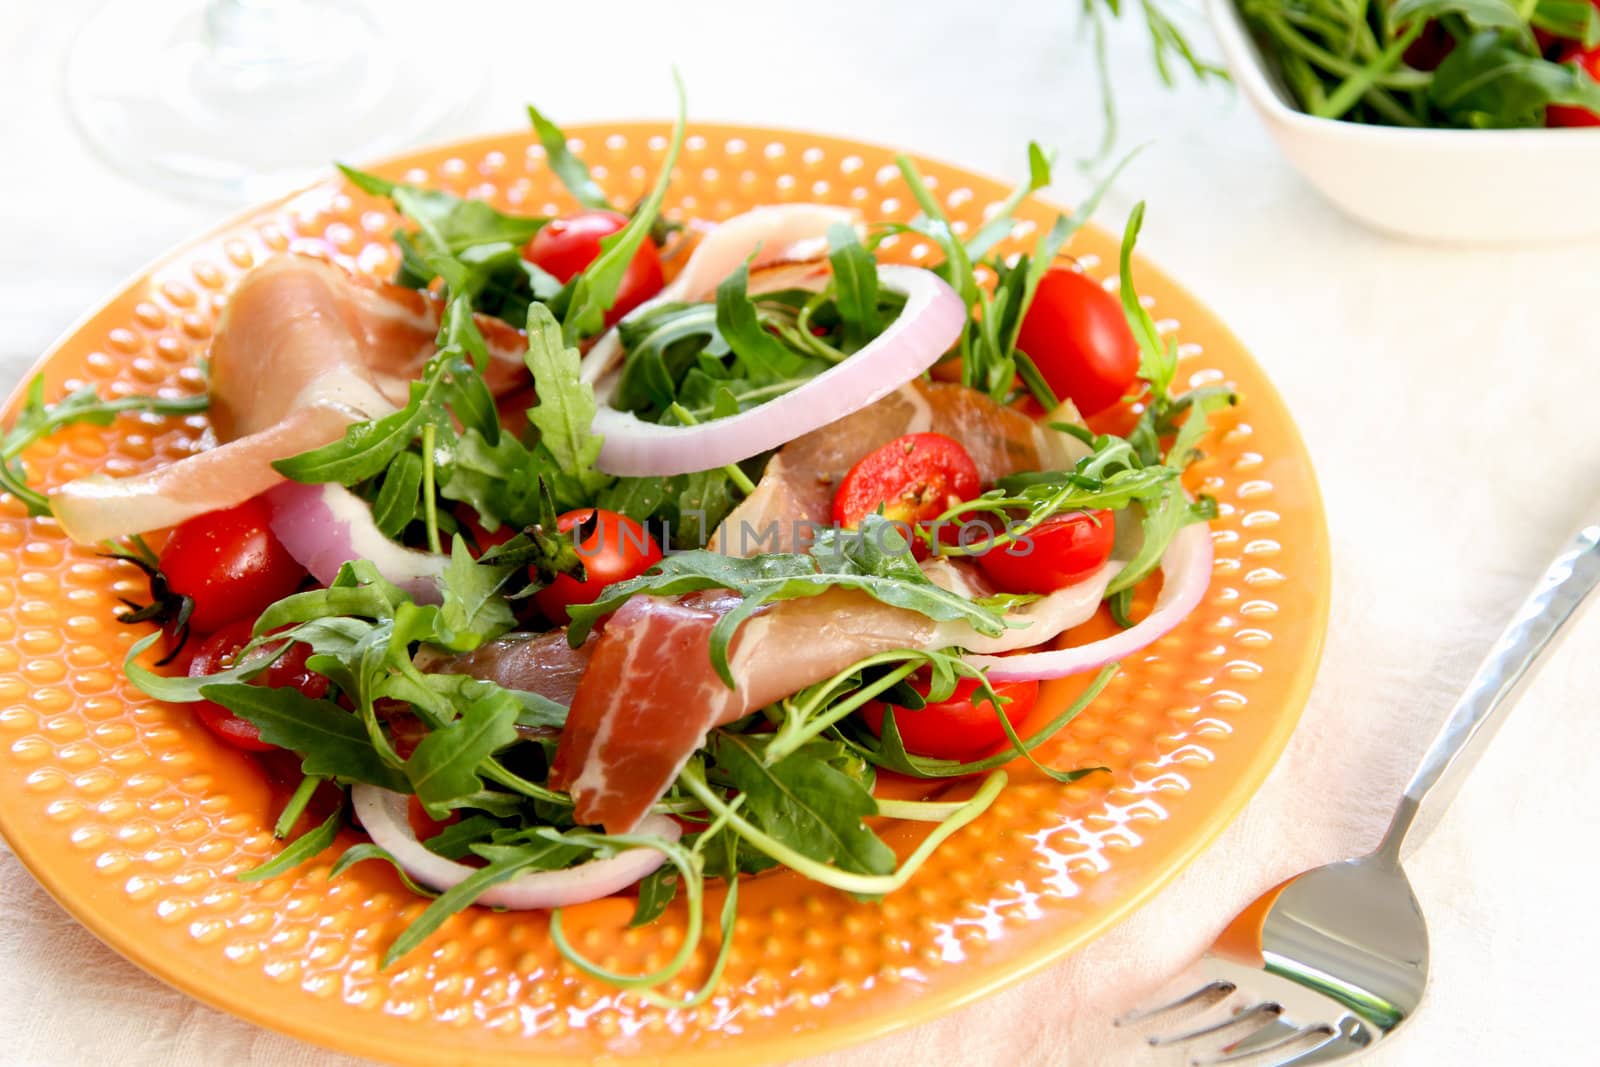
(1238, 1018)
(1275, 1035)
(1314, 1054)
(1214, 990)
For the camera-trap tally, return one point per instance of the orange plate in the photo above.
(137, 821)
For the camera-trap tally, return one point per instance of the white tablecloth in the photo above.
(1446, 396)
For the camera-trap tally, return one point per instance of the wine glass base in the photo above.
(242, 101)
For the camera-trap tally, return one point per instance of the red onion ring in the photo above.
(927, 326)
(1185, 576)
(383, 814)
(326, 526)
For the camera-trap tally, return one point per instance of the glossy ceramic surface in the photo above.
(138, 821)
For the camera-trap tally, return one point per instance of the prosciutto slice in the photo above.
(303, 350)
(650, 695)
(796, 491)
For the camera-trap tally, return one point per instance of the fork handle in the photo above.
(1500, 680)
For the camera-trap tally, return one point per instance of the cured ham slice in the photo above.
(650, 694)
(798, 485)
(302, 351)
(543, 664)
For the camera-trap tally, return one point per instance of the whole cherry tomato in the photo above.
(564, 247)
(955, 729)
(229, 564)
(1078, 336)
(614, 549)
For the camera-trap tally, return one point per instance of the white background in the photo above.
(1446, 395)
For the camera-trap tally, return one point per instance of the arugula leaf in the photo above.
(593, 292)
(1162, 519)
(875, 560)
(1348, 61)
(998, 228)
(181, 689)
(507, 864)
(365, 851)
(449, 224)
(564, 413)
(397, 503)
(762, 357)
(332, 742)
(456, 841)
(471, 595)
(572, 171)
(1576, 20)
(307, 846)
(500, 481)
(656, 891)
(367, 448)
(37, 420)
(805, 803)
(1487, 82)
(855, 285)
(445, 764)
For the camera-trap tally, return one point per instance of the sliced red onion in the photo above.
(383, 814)
(926, 327)
(326, 526)
(1185, 576)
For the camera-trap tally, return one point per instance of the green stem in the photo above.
(920, 810)
(1356, 85)
(429, 504)
(735, 475)
(1297, 42)
(496, 772)
(693, 779)
(790, 738)
(296, 806)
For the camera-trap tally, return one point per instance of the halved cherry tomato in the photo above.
(1564, 115)
(1076, 333)
(955, 729)
(565, 246)
(1058, 552)
(616, 549)
(230, 564)
(914, 479)
(289, 671)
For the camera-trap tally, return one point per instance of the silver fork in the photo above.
(1334, 960)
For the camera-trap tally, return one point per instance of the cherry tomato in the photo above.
(1058, 552)
(955, 729)
(230, 564)
(1077, 334)
(289, 671)
(914, 479)
(1564, 115)
(563, 247)
(616, 549)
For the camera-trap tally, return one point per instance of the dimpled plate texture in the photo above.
(138, 821)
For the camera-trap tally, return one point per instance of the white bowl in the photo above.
(1461, 186)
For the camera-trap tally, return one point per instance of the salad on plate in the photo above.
(601, 555)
